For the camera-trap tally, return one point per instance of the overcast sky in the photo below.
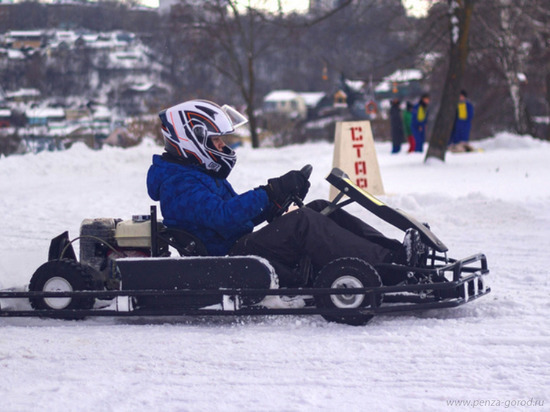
(414, 7)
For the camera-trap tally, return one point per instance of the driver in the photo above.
(190, 181)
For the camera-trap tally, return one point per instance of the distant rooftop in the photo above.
(280, 96)
(23, 92)
(312, 98)
(399, 76)
(25, 33)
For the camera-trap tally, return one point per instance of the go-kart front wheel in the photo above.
(61, 276)
(347, 273)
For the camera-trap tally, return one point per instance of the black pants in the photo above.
(323, 238)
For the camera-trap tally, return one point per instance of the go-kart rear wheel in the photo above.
(61, 276)
(347, 273)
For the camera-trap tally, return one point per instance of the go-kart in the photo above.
(126, 269)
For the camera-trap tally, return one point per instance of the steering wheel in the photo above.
(294, 198)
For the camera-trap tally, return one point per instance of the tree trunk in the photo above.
(460, 14)
(251, 107)
(252, 124)
(512, 64)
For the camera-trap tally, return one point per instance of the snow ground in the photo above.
(493, 353)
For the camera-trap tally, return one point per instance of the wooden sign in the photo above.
(355, 154)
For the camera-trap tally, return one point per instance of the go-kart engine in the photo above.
(105, 239)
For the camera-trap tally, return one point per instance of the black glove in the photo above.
(281, 188)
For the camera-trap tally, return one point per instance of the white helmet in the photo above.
(188, 128)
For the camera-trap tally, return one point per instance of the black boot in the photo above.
(414, 248)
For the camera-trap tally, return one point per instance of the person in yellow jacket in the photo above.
(463, 124)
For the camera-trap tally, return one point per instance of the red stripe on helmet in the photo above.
(175, 146)
(176, 129)
(200, 161)
(203, 117)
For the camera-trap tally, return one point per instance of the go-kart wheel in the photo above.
(347, 273)
(61, 276)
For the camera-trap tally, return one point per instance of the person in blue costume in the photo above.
(190, 181)
(419, 121)
(460, 136)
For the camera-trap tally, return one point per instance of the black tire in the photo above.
(62, 275)
(342, 273)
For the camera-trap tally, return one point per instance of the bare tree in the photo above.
(460, 16)
(541, 23)
(241, 36)
(235, 40)
(510, 54)
(501, 25)
(365, 40)
(539, 56)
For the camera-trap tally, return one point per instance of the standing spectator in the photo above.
(419, 120)
(463, 124)
(396, 123)
(407, 119)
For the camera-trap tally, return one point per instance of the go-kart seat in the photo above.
(184, 242)
(189, 245)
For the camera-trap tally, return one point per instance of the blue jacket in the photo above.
(419, 119)
(204, 205)
(463, 122)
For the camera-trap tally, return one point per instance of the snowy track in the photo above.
(496, 349)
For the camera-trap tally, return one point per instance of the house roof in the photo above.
(25, 33)
(16, 54)
(23, 93)
(280, 96)
(399, 76)
(312, 98)
(355, 85)
(141, 87)
(45, 112)
(102, 112)
(405, 75)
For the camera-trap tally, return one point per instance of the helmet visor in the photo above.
(218, 144)
(237, 119)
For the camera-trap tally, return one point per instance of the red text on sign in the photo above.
(356, 133)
